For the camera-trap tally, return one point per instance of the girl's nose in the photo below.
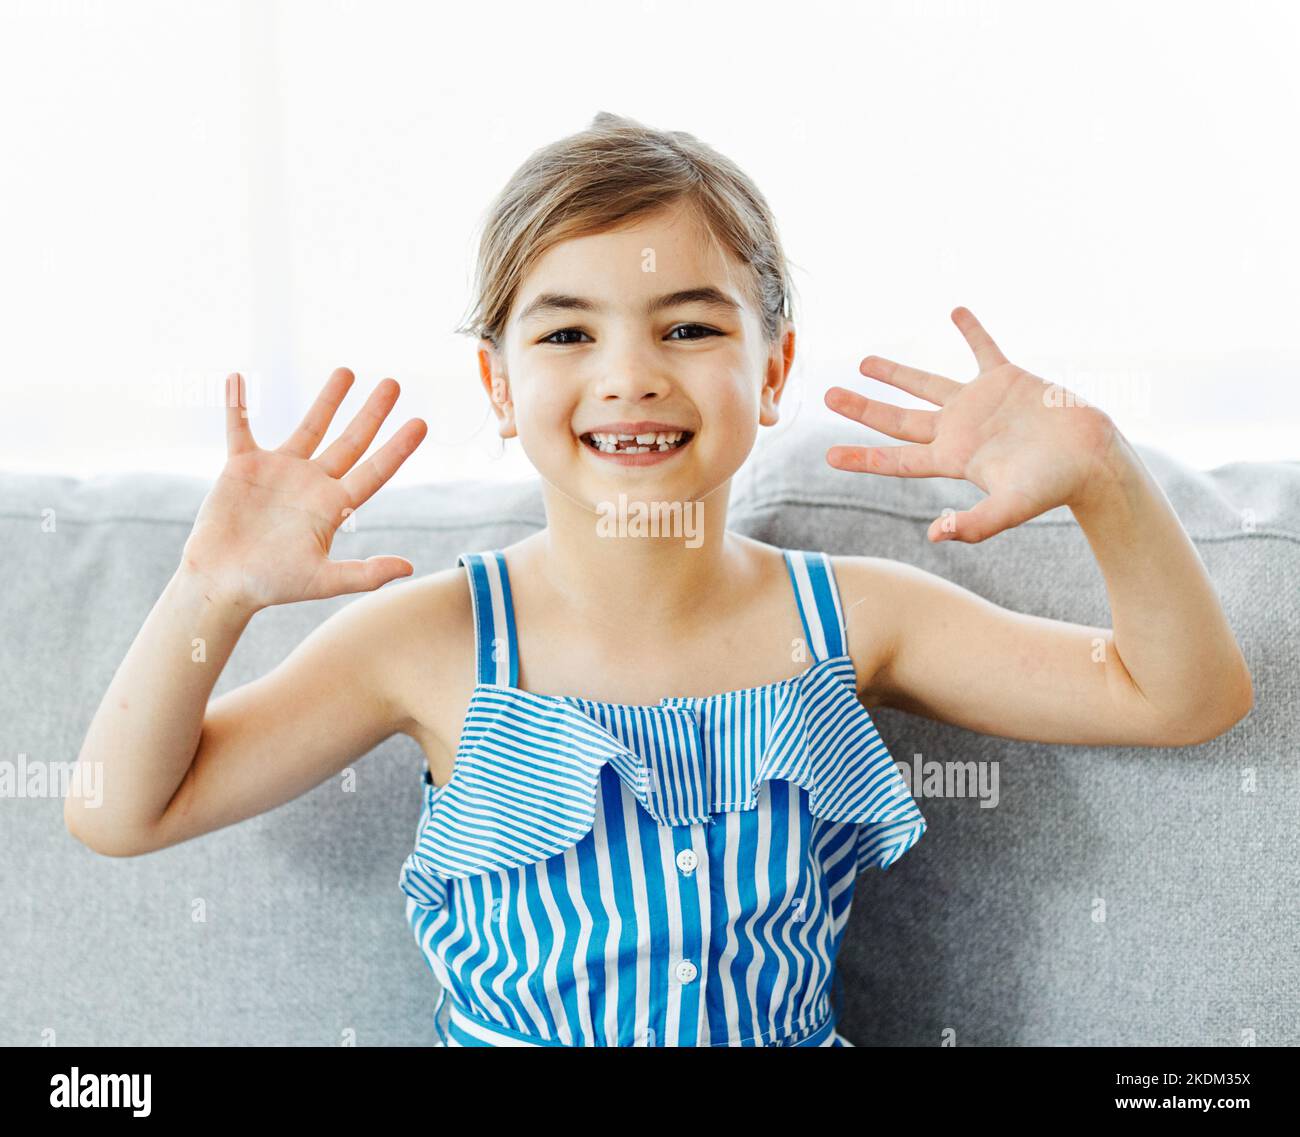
(631, 375)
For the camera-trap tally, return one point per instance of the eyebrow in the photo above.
(710, 297)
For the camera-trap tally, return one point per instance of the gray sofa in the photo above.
(289, 929)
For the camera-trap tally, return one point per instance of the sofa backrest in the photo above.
(1112, 897)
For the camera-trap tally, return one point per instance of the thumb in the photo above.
(984, 519)
(362, 576)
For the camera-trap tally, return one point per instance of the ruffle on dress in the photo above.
(524, 787)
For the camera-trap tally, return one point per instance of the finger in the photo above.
(983, 520)
(897, 422)
(239, 438)
(302, 442)
(893, 461)
(343, 452)
(981, 343)
(362, 482)
(340, 577)
(923, 384)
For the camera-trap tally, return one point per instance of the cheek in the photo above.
(543, 408)
(733, 400)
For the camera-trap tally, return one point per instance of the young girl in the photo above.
(652, 775)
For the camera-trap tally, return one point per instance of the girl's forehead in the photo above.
(676, 235)
(628, 265)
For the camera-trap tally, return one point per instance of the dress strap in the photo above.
(818, 598)
(495, 646)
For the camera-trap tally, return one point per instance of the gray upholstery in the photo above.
(986, 929)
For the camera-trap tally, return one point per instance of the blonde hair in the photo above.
(612, 173)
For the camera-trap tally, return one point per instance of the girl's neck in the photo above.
(596, 567)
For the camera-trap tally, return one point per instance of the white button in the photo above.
(686, 971)
(687, 860)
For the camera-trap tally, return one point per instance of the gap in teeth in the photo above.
(637, 443)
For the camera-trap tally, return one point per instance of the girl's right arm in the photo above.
(262, 537)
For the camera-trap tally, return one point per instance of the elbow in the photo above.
(97, 844)
(85, 819)
(1209, 722)
(108, 849)
(1243, 702)
(71, 824)
(1247, 696)
(1222, 726)
(79, 835)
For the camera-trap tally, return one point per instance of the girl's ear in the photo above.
(779, 361)
(491, 366)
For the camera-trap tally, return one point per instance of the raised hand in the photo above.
(1028, 444)
(263, 534)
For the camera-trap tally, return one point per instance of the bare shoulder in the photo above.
(426, 629)
(873, 595)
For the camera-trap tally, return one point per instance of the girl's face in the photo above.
(647, 330)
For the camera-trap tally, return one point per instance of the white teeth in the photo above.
(651, 440)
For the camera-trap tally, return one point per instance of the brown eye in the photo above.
(696, 327)
(563, 332)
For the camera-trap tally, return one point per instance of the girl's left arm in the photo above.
(1169, 673)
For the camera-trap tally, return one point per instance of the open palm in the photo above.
(1029, 445)
(263, 534)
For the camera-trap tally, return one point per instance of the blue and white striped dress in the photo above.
(678, 874)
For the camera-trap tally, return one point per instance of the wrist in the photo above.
(1114, 469)
(203, 587)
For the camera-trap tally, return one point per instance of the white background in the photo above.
(191, 189)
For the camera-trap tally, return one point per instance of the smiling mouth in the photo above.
(650, 442)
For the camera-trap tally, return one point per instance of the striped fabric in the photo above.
(676, 874)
